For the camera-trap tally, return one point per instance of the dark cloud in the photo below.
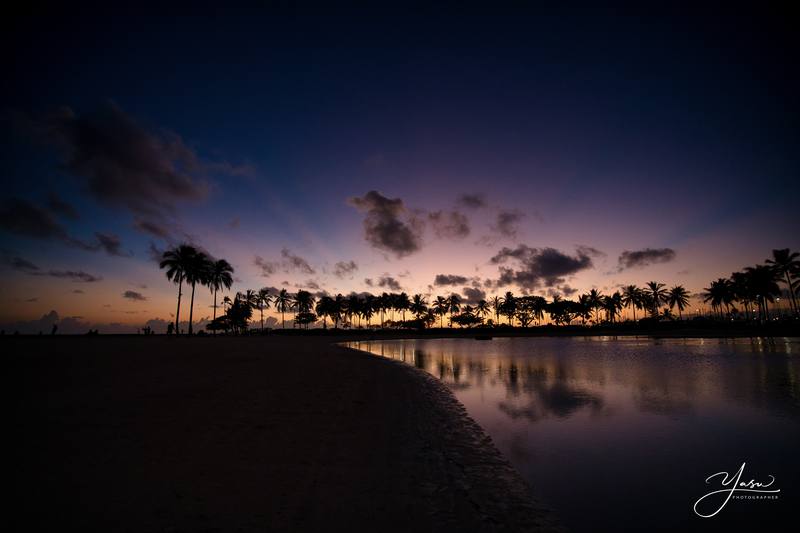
(473, 201)
(345, 268)
(74, 275)
(133, 295)
(78, 291)
(267, 268)
(449, 279)
(60, 207)
(123, 164)
(151, 227)
(31, 300)
(540, 266)
(384, 281)
(23, 265)
(21, 217)
(507, 222)
(449, 224)
(473, 295)
(289, 262)
(155, 253)
(643, 258)
(110, 244)
(388, 226)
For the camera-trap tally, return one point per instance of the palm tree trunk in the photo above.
(261, 309)
(791, 291)
(178, 312)
(215, 311)
(283, 320)
(191, 310)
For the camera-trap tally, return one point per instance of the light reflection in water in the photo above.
(625, 430)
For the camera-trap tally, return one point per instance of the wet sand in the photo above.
(245, 434)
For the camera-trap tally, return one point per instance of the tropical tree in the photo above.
(678, 297)
(220, 276)
(418, 306)
(324, 309)
(657, 294)
(763, 281)
(440, 307)
(482, 308)
(283, 302)
(509, 306)
(263, 299)
(178, 262)
(718, 294)
(453, 305)
(786, 263)
(402, 304)
(496, 302)
(612, 305)
(632, 298)
(595, 301)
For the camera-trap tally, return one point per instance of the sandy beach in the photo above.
(245, 434)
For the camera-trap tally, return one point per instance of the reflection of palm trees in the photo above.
(220, 277)
(178, 262)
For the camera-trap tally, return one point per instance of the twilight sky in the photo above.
(433, 151)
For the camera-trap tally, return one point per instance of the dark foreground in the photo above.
(244, 434)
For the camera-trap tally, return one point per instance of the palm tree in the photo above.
(482, 308)
(632, 297)
(263, 299)
(719, 293)
(509, 306)
(200, 267)
(418, 306)
(283, 302)
(763, 281)
(402, 303)
(453, 306)
(658, 295)
(786, 263)
(595, 300)
(440, 307)
(612, 305)
(178, 262)
(220, 276)
(496, 304)
(678, 297)
(324, 308)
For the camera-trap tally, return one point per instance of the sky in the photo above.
(433, 150)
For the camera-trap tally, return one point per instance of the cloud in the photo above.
(449, 279)
(540, 266)
(643, 258)
(133, 295)
(23, 265)
(384, 281)
(473, 295)
(77, 291)
(472, 201)
(123, 164)
(74, 275)
(289, 262)
(388, 225)
(151, 227)
(60, 207)
(507, 221)
(449, 224)
(345, 268)
(111, 244)
(23, 218)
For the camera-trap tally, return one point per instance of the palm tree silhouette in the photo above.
(283, 302)
(441, 306)
(595, 299)
(509, 307)
(632, 297)
(763, 280)
(453, 306)
(263, 299)
(719, 293)
(496, 304)
(678, 297)
(220, 277)
(786, 263)
(178, 262)
(418, 306)
(482, 308)
(658, 295)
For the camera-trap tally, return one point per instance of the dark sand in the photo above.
(245, 434)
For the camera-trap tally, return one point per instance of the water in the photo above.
(621, 433)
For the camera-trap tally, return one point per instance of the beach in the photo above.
(154, 433)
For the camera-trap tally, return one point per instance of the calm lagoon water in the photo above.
(621, 433)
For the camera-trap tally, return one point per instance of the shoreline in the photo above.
(247, 433)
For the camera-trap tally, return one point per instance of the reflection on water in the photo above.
(624, 431)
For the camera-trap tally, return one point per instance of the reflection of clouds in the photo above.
(557, 399)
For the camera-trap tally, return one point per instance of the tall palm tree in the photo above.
(283, 302)
(200, 267)
(595, 300)
(678, 297)
(786, 263)
(497, 302)
(658, 295)
(763, 280)
(632, 298)
(263, 299)
(440, 307)
(453, 306)
(178, 262)
(220, 276)
(482, 308)
(403, 303)
(509, 307)
(719, 294)
(418, 306)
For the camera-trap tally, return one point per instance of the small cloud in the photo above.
(449, 224)
(388, 225)
(472, 201)
(60, 207)
(77, 291)
(449, 279)
(507, 222)
(345, 269)
(643, 258)
(133, 295)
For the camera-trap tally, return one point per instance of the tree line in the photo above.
(753, 288)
